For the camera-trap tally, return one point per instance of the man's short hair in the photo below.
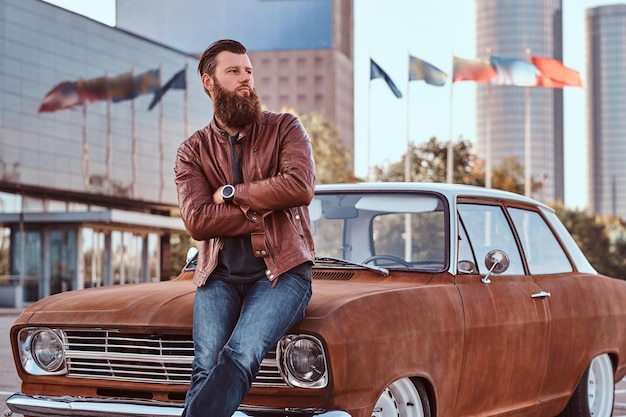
(207, 60)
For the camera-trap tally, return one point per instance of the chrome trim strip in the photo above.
(41, 406)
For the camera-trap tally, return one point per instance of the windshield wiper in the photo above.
(330, 259)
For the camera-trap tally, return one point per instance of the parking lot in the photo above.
(10, 383)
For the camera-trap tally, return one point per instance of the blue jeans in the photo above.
(235, 325)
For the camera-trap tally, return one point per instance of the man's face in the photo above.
(235, 101)
(233, 72)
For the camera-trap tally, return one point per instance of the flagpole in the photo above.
(407, 157)
(450, 156)
(527, 144)
(369, 130)
(488, 138)
(408, 241)
(161, 151)
(109, 151)
(186, 98)
(133, 135)
(85, 149)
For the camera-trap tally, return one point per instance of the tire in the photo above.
(403, 398)
(595, 393)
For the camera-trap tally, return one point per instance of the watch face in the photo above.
(228, 192)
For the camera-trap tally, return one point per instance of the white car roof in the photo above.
(450, 191)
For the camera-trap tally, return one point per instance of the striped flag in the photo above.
(512, 71)
(422, 70)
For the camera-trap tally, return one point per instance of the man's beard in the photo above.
(233, 110)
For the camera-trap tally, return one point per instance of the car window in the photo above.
(465, 252)
(488, 229)
(543, 253)
(387, 230)
(418, 238)
(581, 262)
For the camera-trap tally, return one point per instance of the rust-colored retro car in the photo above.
(428, 300)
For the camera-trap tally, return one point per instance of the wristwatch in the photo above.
(228, 192)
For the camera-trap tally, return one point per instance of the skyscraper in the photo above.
(521, 29)
(606, 95)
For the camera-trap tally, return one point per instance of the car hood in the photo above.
(169, 304)
(164, 305)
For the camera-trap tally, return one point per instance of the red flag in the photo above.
(121, 87)
(479, 70)
(62, 96)
(554, 74)
(125, 86)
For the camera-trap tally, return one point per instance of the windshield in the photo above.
(387, 230)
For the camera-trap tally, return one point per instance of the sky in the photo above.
(388, 31)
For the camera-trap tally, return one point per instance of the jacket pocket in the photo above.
(207, 261)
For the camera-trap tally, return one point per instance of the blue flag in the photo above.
(178, 81)
(377, 72)
(422, 70)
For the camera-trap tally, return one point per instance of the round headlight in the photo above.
(304, 361)
(47, 350)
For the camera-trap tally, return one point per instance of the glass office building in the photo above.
(87, 194)
(520, 29)
(606, 94)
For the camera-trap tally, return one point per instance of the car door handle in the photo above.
(541, 294)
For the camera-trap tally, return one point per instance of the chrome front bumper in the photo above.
(44, 406)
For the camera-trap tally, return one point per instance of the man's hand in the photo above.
(217, 196)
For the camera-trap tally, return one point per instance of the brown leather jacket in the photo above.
(270, 205)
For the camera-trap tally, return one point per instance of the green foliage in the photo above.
(428, 163)
(333, 159)
(602, 239)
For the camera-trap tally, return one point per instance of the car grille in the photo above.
(138, 357)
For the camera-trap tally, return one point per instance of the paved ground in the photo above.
(10, 382)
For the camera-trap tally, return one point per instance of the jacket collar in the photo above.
(224, 134)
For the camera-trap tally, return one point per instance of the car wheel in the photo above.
(403, 398)
(595, 392)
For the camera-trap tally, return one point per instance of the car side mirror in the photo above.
(497, 262)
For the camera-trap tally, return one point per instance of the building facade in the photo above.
(301, 51)
(87, 194)
(606, 95)
(520, 29)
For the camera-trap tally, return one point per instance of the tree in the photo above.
(333, 160)
(428, 162)
(508, 175)
(602, 239)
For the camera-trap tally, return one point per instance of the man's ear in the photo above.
(207, 82)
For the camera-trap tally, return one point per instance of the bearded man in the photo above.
(244, 183)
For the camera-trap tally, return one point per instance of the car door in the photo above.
(506, 322)
(575, 302)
